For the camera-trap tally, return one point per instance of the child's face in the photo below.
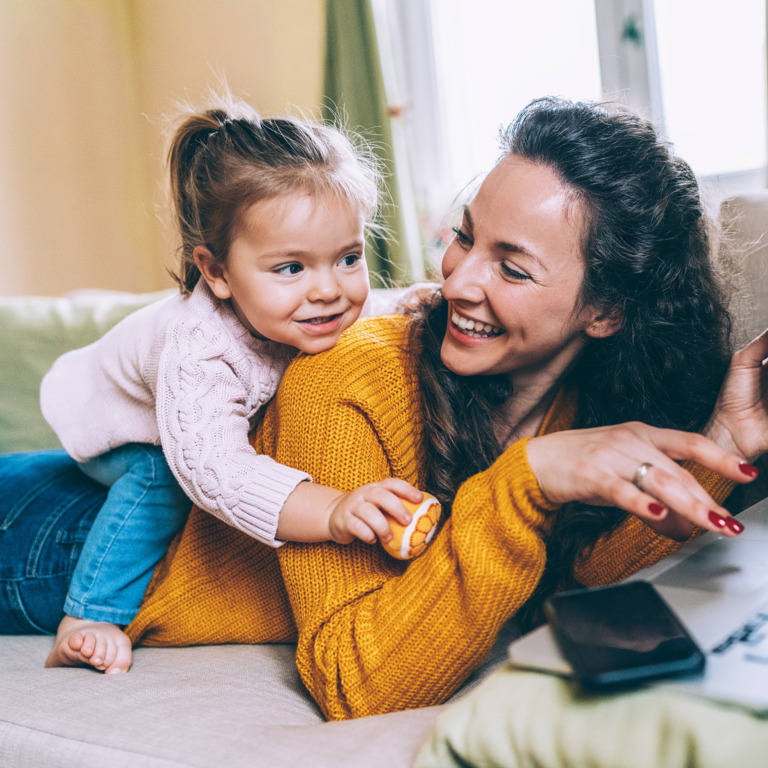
(295, 272)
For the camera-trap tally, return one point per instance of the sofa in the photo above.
(234, 706)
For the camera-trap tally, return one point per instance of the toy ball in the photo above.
(411, 540)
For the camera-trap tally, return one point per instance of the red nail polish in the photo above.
(717, 520)
(656, 509)
(748, 469)
(734, 524)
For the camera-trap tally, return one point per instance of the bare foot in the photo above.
(80, 642)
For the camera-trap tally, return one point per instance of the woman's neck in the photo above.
(522, 414)
(533, 390)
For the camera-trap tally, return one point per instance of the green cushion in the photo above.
(519, 719)
(34, 331)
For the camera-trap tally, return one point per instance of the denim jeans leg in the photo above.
(47, 506)
(144, 509)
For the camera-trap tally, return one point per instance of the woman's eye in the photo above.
(465, 241)
(350, 260)
(513, 274)
(289, 269)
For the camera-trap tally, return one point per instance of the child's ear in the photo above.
(214, 273)
(605, 324)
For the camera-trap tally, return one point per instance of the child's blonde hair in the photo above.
(225, 158)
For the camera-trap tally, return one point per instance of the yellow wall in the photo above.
(84, 87)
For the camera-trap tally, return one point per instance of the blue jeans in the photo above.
(144, 509)
(47, 506)
(58, 525)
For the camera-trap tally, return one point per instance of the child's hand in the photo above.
(362, 513)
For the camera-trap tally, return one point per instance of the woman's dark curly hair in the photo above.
(647, 252)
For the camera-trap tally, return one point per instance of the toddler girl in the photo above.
(272, 216)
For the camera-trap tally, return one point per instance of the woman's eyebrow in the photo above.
(503, 245)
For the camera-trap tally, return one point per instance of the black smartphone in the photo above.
(621, 635)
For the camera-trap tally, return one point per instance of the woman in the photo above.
(578, 293)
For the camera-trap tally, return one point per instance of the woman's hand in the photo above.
(633, 466)
(739, 422)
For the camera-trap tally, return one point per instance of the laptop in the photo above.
(719, 589)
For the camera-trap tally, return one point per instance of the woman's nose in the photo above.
(465, 275)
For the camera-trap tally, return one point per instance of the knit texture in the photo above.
(373, 634)
(183, 373)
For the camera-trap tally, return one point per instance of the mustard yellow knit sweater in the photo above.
(374, 634)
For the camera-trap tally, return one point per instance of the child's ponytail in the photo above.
(189, 141)
(225, 159)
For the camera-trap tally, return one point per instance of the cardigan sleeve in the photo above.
(376, 634)
(206, 387)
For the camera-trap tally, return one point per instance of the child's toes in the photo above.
(88, 645)
(75, 641)
(122, 660)
(101, 652)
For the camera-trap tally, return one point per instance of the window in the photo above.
(712, 70)
(491, 63)
(696, 69)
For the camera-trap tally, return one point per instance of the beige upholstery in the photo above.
(745, 234)
(207, 707)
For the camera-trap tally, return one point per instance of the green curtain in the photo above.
(354, 87)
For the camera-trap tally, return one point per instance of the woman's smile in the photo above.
(475, 329)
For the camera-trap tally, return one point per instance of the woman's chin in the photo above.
(465, 363)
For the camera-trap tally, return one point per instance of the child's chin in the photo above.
(320, 346)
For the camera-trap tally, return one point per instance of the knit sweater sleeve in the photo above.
(206, 390)
(376, 634)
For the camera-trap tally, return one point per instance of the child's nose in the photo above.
(324, 287)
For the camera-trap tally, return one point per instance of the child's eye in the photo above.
(465, 241)
(289, 269)
(512, 274)
(350, 260)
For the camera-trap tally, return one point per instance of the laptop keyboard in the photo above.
(751, 638)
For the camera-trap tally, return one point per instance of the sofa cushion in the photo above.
(201, 707)
(34, 331)
(744, 221)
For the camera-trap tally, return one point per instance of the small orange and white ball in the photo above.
(411, 540)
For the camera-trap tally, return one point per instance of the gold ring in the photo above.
(639, 477)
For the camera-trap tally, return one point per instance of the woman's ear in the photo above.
(214, 273)
(605, 324)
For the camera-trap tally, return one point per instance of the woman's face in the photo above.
(513, 275)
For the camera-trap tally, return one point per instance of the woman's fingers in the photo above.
(689, 446)
(633, 466)
(649, 508)
(670, 492)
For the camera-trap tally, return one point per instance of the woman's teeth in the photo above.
(475, 327)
